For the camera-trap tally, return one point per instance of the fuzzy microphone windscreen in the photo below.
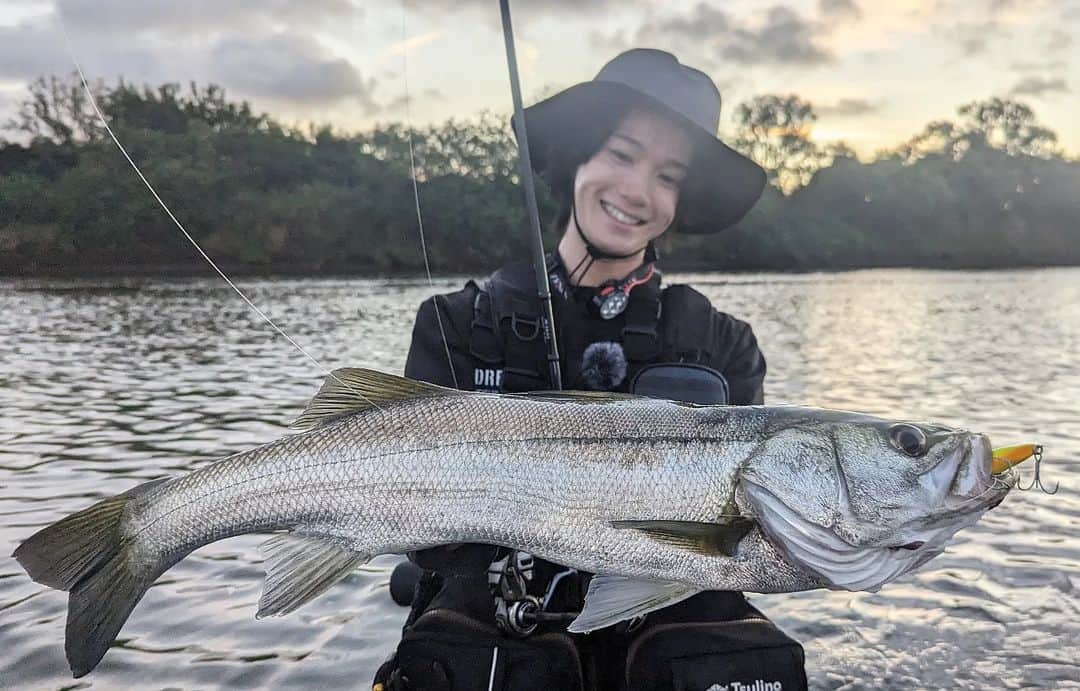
(603, 366)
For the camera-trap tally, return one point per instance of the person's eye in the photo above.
(671, 180)
(620, 156)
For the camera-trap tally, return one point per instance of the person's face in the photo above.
(626, 194)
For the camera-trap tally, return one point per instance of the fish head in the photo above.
(860, 501)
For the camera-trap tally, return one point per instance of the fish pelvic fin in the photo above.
(351, 390)
(611, 599)
(88, 555)
(300, 568)
(702, 538)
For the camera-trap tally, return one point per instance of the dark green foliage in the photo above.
(986, 191)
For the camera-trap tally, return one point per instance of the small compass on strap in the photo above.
(612, 297)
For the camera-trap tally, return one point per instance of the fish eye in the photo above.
(909, 439)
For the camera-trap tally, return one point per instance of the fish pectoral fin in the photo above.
(612, 599)
(702, 538)
(351, 389)
(299, 569)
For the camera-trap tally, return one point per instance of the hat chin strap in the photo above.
(594, 251)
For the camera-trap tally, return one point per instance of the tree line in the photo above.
(988, 189)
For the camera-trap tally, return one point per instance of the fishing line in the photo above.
(194, 243)
(416, 191)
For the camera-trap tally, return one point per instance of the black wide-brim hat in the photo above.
(723, 184)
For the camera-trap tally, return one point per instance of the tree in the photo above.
(996, 123)
(167, 109)
(1006, 125)
(482, 148)
(937, 137)
(774, 131)
(58, 110)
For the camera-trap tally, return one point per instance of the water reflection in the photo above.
(103, 386)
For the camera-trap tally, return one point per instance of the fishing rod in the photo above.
(536, 245)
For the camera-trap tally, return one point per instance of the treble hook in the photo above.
(1036, 481)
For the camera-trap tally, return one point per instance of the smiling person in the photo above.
(630, 155)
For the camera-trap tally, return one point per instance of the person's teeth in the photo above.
(619, 215)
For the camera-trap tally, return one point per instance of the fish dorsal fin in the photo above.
(612, 599)
(702, 538)
(353, 389)
(299, 569)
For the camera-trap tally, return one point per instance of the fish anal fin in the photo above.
(351, 389)
(702, 538)
(611, 599)
(300, 568)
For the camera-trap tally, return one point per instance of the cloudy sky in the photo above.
(876, 72)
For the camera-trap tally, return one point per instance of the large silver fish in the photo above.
(662, 500)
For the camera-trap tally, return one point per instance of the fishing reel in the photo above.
(508, 579)
(518, 618)
(517, 613)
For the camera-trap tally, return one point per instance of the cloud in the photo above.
(703, 23)
(1046, 66)
(973, 38)
(489, 6)
(1038, 86)
(291, 68)
(28, 50)
(840, 10)
(413, 42)
(36, 48)
(784, 38)
(398, 103)
(850, 107)
(780, 36)
(200, 16)
(1059, 41)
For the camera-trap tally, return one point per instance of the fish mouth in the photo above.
(964, 480)
(971, 483)
(973, 476)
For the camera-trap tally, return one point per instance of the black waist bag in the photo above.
(748, 653)
(447, 651)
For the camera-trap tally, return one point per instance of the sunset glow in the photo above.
(875, 73)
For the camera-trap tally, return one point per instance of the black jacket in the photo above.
(452, 606)
(689, 330)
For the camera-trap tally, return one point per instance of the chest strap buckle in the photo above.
(524, 324)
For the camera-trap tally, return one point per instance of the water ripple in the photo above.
(104, 385)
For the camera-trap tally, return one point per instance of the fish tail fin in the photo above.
(88, 555)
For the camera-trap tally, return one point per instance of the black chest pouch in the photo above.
(681, 382)
(716, 640)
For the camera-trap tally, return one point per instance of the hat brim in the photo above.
(724, 185)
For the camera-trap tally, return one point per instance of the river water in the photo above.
(106, 385)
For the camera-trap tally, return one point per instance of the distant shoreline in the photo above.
(294, 270)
